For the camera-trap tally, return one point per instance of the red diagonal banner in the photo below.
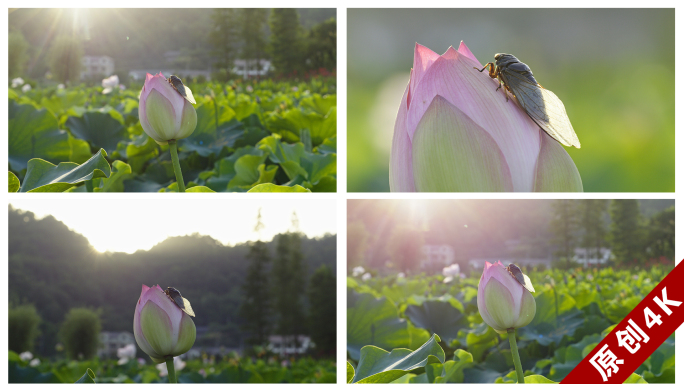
(637, 336)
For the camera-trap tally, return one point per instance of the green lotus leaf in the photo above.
(34, 133)
(88, 377)
(379, 366)
(373, 321)
(269, 187)
(438, 317)
(115, 182)
(100, 129)
(13, 183)
(43, 176)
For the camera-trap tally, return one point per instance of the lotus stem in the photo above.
(173, 148)
(516, 356)
(171, 369)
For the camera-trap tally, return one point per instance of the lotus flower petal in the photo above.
(556, 172)
(502, 301)
(165, 114)
(401, 168)
(475, 94)
(160, 327)
(452, 153)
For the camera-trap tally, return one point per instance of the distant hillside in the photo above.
(56, 269)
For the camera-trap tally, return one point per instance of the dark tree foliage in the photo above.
(65, 57)
(80, 333)
(661, 234)
(322, 45)
(626, 230)
(357, 242)
(18, 55)
(564, 229)
(223, 38)
(289, 284)
(56, 269)
(594, 225)
(23, 328)
(256, 307)
(406, 247)
(322, 298)
(286, 41)
(253, 35)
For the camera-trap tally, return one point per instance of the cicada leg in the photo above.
(506, 90)
(493, 71)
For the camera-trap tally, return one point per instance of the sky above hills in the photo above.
(126, 225)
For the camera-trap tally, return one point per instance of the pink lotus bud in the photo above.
(503, 302)
(164, 114)
(160, 327)
(455, 133)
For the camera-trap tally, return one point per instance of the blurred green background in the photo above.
(612, 68)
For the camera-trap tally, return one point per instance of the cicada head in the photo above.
(504, 59)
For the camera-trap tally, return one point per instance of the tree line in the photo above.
(636, 231)
(198, 39)
(241, 34)
(618, 225)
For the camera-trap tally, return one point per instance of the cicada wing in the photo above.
(543, 107)
(187, 307)
(528, 283)
(188, 95)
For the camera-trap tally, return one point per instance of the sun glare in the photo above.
(140, 224)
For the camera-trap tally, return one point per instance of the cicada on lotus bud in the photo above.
(541, 105)
(184, 91)
(520, 277)
(180, 301)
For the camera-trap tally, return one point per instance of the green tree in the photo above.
(323, 312)
(564, 227)
(405, 247)
(593, 224)
(253, 36)
(23, 327)
(223, 38)
(65, 57)
(661, 234)
(17, 57)
(289, 280)
(626, 231)
(322, 45)
(80, 333)
(285, 43)
(357, 243)
(256, 307)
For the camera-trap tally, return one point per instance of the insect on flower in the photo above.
(180, 301)
(184, 91)
(542, 105)
(520, 277)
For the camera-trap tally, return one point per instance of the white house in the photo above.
(284, 345)
(110, 342)
(248, 68)
(96, 66)
(586, 256)
(437, 256)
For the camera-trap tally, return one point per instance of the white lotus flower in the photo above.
(17, 81)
